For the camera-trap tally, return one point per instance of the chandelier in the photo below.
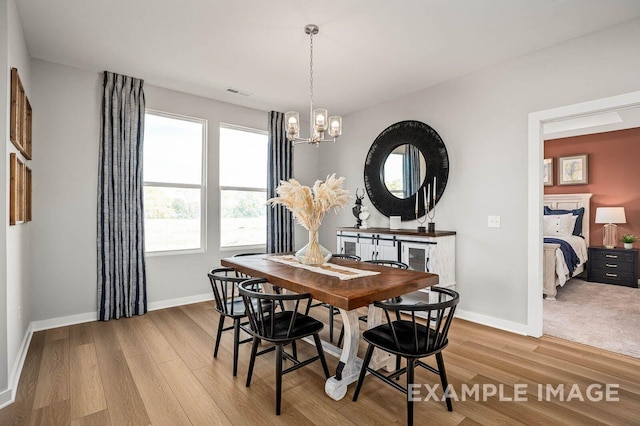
(319, 124)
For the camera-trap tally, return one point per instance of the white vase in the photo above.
(628, 245)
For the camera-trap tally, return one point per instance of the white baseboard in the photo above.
(499, 323)
(93, 316)
(64, 321)
(9, 396)
(163, 304)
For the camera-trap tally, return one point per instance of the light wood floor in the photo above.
(158, 369)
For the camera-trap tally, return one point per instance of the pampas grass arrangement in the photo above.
(309, 206)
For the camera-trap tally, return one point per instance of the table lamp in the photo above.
(610, 216)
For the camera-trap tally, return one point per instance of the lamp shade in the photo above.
(610, 215)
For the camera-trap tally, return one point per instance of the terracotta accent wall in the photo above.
(614, 175)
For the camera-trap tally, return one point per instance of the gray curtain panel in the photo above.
(279, 220)
(411, 171)
(121, 264)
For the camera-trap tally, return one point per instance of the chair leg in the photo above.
(278, 378)
(363, 370)
(316, 338)
(341, 338)
(331, 323)
(219, 335)
(411, 364)
(294, 349)
(398, 318)
(236, 344)
(443, 378)
(252, 360)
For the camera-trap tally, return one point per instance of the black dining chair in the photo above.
(280, 328)
(241, 274)
(390, 263)
(332, 310)
(412, 340)
(228, 303)
(346, 256)
(276, 289)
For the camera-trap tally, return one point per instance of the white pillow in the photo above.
(572, 224)
(558, 224)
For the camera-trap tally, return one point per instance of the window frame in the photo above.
(261, 247)
(202, 186)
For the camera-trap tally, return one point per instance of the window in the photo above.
(243, 186)
(393, 174)
(174, 190)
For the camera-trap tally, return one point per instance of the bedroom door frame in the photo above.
(536, 191)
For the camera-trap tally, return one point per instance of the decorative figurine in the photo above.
(358, 208)
(363, 216)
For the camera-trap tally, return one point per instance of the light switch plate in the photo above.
(494, 222)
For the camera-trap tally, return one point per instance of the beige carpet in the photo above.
(601, 315)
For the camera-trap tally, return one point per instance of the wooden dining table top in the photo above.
(345, 294)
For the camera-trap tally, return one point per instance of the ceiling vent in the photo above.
(238, 91)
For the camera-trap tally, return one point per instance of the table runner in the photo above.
(340, 271)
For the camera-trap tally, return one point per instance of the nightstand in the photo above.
(613, 266)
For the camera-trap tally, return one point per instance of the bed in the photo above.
(556, 272)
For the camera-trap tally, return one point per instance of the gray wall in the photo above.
(15, 252)
(4, 177)
(483, 118)
(65, 199)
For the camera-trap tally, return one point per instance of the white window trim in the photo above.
(221, 188)
(202, 186)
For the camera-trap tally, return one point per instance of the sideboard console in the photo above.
(433, 252)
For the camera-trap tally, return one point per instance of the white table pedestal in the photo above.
(349, 366)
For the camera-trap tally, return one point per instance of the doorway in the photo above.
(535, 189)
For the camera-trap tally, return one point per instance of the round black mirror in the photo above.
(405, 159)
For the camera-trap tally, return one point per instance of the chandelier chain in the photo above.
(319, 124)
(311, 67)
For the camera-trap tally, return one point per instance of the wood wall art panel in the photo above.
(20, 116)
(19, 191)
(13, 187)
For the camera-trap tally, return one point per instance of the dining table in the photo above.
(339, 283)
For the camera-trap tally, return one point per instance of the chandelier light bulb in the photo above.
(335, 128)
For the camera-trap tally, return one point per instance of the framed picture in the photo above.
(573, 170)
(20, 116)
(13, 188)
(17, 190)
(547, 172)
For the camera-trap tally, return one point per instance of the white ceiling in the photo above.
(620, 119)
(367, 51)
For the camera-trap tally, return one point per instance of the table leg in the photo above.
(349, 366)
(380, 359)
